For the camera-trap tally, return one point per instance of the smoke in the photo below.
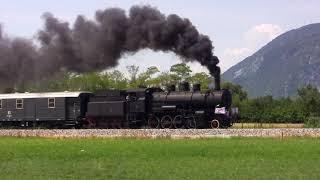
(97, 44)
(0, 31)
(18, 57)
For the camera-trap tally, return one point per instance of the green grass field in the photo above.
(234, 158)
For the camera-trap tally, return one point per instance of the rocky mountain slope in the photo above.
(289, 61)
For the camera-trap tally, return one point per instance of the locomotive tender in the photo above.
(135, 108)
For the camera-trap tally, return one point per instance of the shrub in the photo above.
(312, 122)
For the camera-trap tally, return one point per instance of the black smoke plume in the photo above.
(18, 58)
(92, 45)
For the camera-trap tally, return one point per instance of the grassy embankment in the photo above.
(266, 125)
(234, 158)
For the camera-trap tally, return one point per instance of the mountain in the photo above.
(286, 63)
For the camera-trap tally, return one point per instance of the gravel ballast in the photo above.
(161, 133)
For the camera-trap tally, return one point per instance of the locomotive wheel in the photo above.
(191, 123)
(178, 121)
(215, 124)
(166, 122)
(153, 122)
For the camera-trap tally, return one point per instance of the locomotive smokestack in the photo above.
(217, 79)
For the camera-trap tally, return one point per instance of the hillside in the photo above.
(289, 61)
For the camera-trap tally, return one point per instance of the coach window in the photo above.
(0, 103)
(19, 103)
(51, 103)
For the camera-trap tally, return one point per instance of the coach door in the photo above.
(73, 108)
(3, 110)
(29, 110)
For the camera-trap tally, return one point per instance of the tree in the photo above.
(238, 94)
(145, 78)
(203, 78)
(164, 79)
(181, 70)
(309, 99)
(133, 71)
(236, 90)
(116, 80)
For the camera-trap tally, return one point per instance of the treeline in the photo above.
(303, 108)
(115, 79)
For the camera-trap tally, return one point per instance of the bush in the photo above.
(312, 122)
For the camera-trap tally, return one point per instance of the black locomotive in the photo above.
(135, 108)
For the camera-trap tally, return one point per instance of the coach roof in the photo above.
(42, 95)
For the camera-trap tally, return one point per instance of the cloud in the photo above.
(260, 35)
(271, 30)
(236, 51)
(253, 39)
(231, 56)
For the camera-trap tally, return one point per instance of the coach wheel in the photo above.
(91, 123)
(215, 124)
(153, 122)
(166, 122)
(191, 123)
(178, 122)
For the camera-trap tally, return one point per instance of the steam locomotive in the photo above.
(134, 108)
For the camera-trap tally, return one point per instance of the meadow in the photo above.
(216, 158)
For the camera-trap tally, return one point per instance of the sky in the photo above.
(236, 28)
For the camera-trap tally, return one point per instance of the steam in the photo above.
(92, 45)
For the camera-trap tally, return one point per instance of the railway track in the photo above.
(160, 133)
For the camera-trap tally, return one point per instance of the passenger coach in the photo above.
(56, 109)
